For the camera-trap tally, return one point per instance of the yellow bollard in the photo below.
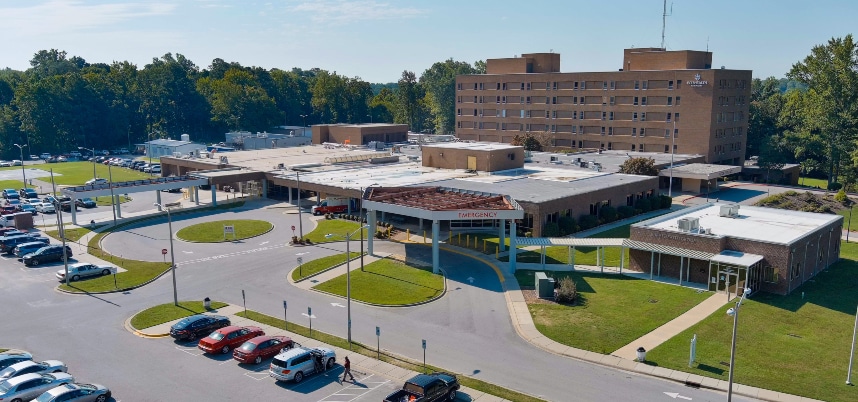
(407, 234)
(424, 237)
(460, 240)
(468, 241)
(497, 252)
(484, 245)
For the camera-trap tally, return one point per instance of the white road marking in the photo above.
(361, 390)
(675, 395)
(187, 252)
(337, 305)
(264, 243)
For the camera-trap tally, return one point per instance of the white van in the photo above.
(297, 363)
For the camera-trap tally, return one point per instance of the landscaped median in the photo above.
(340, 228)
(798, 344)
(314, 267)
(611, 311)
(388, 282)
(213, 232)
(168, 312)
(399, 361)
(73, 234)
(137, 273)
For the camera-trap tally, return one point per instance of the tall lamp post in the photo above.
(303, 125)
(92, 152)
(172, 255)
(348, 238)
(735, 313)
(23, 172)
(672, 148)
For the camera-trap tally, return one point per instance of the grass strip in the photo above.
(340, 228)
(166, 312)
(73, 234)
(213, 232)
(388, 282)
(108, 201)
(3, 350)
(320, 264)
(332, 340)
(137, 272)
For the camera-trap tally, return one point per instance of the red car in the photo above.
(262, 347)
(228, 338)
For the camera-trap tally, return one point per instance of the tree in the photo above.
(640, 166)
(408, 97)
(831, 75)
(527, 140)
(439, 82)
(766, 104)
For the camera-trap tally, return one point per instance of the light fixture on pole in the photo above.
(172, 255)
(852, 352)
(672, 148)
(23, 172)
(734, 312)
(303, 125)
(348, 238)
(92, 151)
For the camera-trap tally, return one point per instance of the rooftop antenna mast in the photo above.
(664, 16)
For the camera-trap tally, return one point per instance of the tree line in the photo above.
(63, 102)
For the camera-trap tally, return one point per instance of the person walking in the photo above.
(348, 372)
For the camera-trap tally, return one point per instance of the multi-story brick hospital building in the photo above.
(657, 100)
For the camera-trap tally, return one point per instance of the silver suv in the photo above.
(296, 363)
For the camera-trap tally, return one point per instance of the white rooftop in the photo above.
(754, 223)
(479, 146)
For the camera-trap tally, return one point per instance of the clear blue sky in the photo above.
(378, 39)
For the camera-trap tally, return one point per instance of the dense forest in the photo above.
(63, 102)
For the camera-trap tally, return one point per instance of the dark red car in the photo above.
(262, 347)
(228, 338)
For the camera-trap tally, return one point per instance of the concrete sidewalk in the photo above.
(360, 364)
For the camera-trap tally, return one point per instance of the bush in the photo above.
(835, 186)
(625, 212)
(567, 292)
(607, 214)
(644, 205)
(587, 221)
(568, 225)
(551, 229)
(666, 201)
(841, 196)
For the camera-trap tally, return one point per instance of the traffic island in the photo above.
(167, 312)
(312, 268)
(389, 282)
(224, 230)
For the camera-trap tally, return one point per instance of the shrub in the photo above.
(551, 229)
(835, 186)
(625, 212)
(567, 225)
(528, 234)
(790, 193)
(643, 204)
(607, 213)
(587, 221)
(841, 196)
(666, 201)
(567, 292)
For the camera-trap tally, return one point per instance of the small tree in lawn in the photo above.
(640, 166)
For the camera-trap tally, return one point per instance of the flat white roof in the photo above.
(739, 258)
(480, 146)
(755, 223)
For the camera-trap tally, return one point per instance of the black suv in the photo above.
(195, 326)
(45, 254)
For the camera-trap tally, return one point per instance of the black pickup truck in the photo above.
(427, 388)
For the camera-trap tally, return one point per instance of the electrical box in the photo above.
(544, 286)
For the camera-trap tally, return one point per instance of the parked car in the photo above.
(10, 193)
(76, 393)
(262, 347)
(5, 164)
(85, 202)
(193, 327)
(23, 249)
(62, 159)
(45, 208)
(45, 155)
(297, 363)
(27, 208)
(29, 366)
(45, 254)
(29, 386)
(155, 169)
(16, 162)
(34, 157)
(8, 243)
(28, 193)
(427, 388)
(97, 180)
(85, 270)
(11, 357)
(148, 169)
(228, 338)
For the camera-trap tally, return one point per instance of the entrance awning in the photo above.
(569, 241)
(737, 258)
(677, 251)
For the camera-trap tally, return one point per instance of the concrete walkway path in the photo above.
(673, 327)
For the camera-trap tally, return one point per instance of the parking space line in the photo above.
(188, 350)
(361, 390)
(261, 371)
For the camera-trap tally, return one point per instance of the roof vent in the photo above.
(688, 224)
(729, 211)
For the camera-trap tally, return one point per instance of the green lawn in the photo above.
(212, 232)
(108, 201)
(168, 312)
(388, 282)
(3, 350)
(71, 234)
(320, 264)
(794, 344)
(77, 173)
(398, 361)
(14, 184)
(613, 310)
(811, 182)
(338, 227)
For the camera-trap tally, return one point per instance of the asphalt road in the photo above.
(468, 330)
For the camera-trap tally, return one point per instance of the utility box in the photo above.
(544, 286)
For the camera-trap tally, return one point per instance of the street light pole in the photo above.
(172, 254)
(23, 172)
(348, 238)
(735, 313)
(303, 125)
(852, 353)
(113, 198)
(92, 152)
(672, 147)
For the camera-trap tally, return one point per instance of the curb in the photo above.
(135, 331)
(289, 275)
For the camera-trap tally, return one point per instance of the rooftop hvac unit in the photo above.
(688, 224)
(729, 211)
